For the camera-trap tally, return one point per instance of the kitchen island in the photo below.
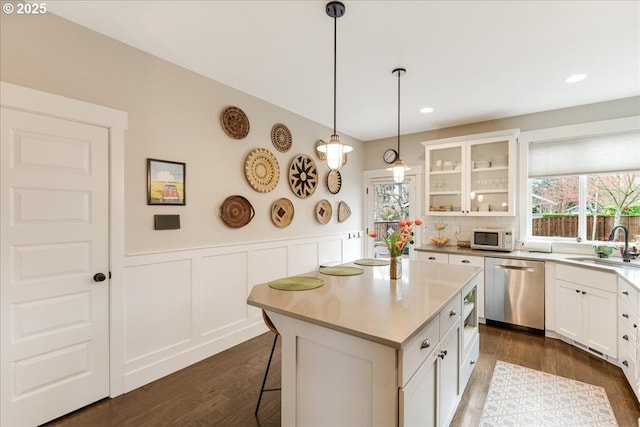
(367, 350)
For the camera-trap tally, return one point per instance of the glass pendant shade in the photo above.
(335, 152)
(398, 170)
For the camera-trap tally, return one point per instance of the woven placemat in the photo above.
(341, 270)
(296, 283)
(371, 261)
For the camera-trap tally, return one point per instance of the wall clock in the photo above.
(390, 156)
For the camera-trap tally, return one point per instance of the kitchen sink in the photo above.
(606, 262)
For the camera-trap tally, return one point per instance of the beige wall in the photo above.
(174, 115)
(412, 150)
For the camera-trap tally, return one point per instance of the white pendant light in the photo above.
(334, 149)
(398, 169)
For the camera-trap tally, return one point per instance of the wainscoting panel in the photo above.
(158, 309)
(303, 258)
(219, 298)
(186, 305)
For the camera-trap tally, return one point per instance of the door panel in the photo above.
(54, 238)
(387, 202)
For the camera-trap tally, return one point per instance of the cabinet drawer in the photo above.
(628, 323)
(469, 363)
(433, 257)
(476, 261)
(628, 294)
(418, 349)
(587, 276)
(628, 366)
(450, 314)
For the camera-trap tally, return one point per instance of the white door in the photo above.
(53, 243)
(387, 202)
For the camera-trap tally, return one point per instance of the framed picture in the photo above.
(165, 182)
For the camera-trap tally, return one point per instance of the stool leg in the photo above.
(266, 373)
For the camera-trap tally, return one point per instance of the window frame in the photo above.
(604, 127)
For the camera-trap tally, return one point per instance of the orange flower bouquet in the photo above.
(398, 240)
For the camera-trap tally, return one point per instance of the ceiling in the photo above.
(469, 60)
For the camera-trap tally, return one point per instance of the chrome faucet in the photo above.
(625, 254)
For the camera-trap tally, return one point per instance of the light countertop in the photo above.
(370, 305)
(630, 274)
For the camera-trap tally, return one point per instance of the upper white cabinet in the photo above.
(473, 175)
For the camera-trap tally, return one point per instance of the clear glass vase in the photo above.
(395, 267)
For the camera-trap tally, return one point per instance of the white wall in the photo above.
(174, 114)
(183, 295)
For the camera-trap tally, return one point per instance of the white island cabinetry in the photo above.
(367, 350)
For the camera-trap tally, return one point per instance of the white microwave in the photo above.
(492, 239)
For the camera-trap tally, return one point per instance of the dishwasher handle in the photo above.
(514, 267)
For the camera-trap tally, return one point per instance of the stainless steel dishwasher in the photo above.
(514, 293)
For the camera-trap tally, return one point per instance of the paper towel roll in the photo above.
(536, 246)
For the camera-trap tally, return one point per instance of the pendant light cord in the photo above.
(399, 73)
(335, 66)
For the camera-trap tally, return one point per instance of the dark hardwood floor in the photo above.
(223, 389)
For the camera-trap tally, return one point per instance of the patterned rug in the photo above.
(520, 396)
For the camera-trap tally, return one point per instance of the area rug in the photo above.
(520, 396)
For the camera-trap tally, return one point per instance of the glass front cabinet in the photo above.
(473, 175)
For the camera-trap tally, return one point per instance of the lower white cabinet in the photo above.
(419, 397)
(433, 257)
(432, 394)
(586, 307)
(628, 324)
(448, 377)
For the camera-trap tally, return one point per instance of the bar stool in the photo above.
(273, 329)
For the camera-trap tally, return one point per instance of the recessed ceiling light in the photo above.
(576, 78)
(426, 110)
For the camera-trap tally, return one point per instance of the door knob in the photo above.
(99, 277)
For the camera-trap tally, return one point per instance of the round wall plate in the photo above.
(282, 212)
(334, 182)
(323, 211)
(262, 170)
(236, 211)
(320, 154)
(281, 137)
(303, 176)
(235, 122)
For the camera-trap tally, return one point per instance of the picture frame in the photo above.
(166, 182)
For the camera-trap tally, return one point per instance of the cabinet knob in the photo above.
(584, 292)
(466, 261)
(625, 337)
(442, 354)
(635, 325)
(452, 313)
(425, 344)
(625, 363)
(625, 315)
(472, 362)
(432, 258)
(625, 292)
(577, 291)
(99, 277)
